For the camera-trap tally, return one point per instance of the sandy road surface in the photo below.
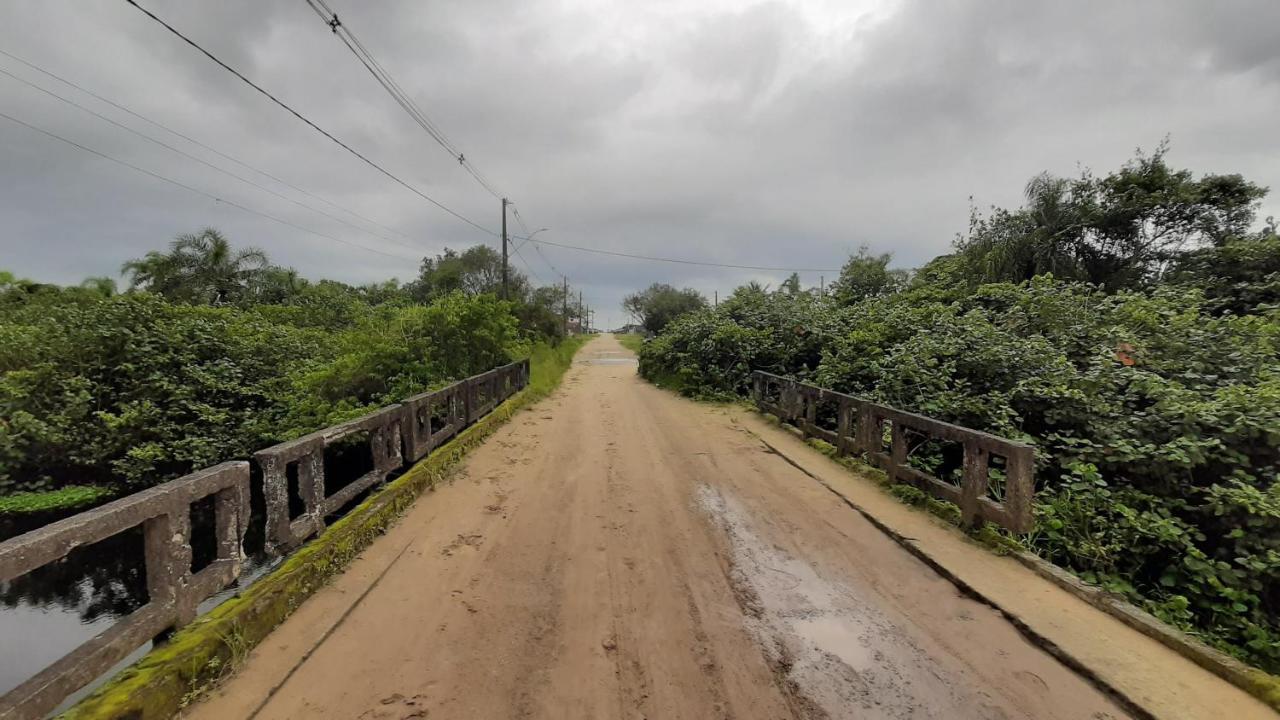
(617, 552)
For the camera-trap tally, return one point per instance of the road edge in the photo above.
(1252, 681)
(200, 656)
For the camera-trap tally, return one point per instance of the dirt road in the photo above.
(617, 552)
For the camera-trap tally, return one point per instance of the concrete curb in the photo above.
(1257, 683)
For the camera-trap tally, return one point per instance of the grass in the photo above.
(631, 341)
(67, 498)
(196, 658)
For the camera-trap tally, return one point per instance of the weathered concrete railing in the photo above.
(173, 591)
(396, 435)
(860, 428)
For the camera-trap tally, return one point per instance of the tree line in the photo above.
(213, 352)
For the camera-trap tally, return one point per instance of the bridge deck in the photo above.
(617, 552)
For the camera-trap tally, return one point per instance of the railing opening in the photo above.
(943, 459)
(346, 461)
(204, 536)
(292, 475)
(997, 476)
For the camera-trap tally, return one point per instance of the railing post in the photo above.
(974, 484)
(810, 405)
(167, 548)
(231, 520)
(868, 431)
(898, 453)
(843, 412)
(1019, 485)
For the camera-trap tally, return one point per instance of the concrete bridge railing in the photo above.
(293, 476)
(856, 425)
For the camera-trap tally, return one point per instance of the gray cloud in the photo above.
(770, 133)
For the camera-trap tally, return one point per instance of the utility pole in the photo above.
(506, 292)
(581, 319)
(564, 315)
(717, 292)
(822, 285)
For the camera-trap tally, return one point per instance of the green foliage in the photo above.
(659, 304)
(66, 498)
(199, 268)
(1240, 276)
(128, 391)
(1118, 231)
(632, 341)
(865, 275)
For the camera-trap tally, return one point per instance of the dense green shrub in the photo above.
(1156, 420)
(130, 390)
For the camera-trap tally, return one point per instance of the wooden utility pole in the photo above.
(717, 292)
(564, 315)
(506, 291)
(581, 320)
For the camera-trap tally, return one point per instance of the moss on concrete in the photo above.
(197, 657)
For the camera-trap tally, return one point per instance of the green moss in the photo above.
(67, 498)
(1265, 687)
(200, 655)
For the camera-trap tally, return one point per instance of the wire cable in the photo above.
(313, 126)
(536, 241)
(197, 191)
(402, 98)
(194, 141)
(189, 156)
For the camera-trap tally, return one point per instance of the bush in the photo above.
(128, 391)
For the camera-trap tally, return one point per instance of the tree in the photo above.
(865, 275)
(1240, 276)
(1124, 230)
(199, 268)
(475, 271)
(276, 285)
(660, 303)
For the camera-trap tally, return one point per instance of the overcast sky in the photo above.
(781, 133)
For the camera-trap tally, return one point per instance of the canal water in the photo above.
(48, 613)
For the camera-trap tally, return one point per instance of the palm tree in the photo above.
(1042, 237)
(201, 268)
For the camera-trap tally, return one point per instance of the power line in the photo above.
(304, 119)
(189, 156)
(529, 267)
(402, 98)
(194, 141)
(197, 191)
(536, 241)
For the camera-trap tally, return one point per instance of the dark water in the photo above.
(51, 611)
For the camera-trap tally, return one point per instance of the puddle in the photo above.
(839, 651)
(610, 357)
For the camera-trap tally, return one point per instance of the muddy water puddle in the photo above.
(839, 651)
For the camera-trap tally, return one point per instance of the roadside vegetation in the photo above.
(632, 341)
(1127, 325)
(213, 352)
